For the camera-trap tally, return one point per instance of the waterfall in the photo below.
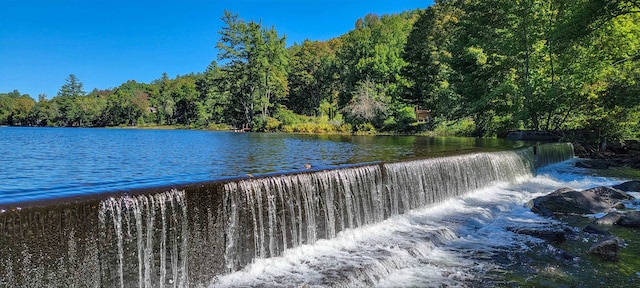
(553, 153)
(419, 183)
(266, 216)
(145, 237)
(186, 236)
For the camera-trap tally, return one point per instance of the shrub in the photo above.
(218, 127)
(272, 124)
(462, 127)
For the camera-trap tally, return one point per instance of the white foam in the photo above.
(429, 246)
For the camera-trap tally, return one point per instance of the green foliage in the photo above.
(218, 127)
(365, 128)
(483, 68)
(367, 105)
(465, 127)
(312, 78)
(15, 108)
(256, 74)
(526, 64)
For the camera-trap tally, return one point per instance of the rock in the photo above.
(593, 164)
(632, 144)
(606, 249)
(610, 219)
(567, 201)
(560, 254)
(610, 193)
(553, 236)
(617, 147)
(629, 186)
(630, 219)
(618, 206)
(595, 230)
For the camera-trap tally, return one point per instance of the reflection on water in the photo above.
(41, 163)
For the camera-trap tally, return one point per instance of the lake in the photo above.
(46, 163)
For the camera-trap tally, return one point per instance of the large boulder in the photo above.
(556, 236)
(568, 201)
(610, 219)
(629, 186)
(606, 249)
(630, 219)
(613, 195)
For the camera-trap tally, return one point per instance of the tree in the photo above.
(256, 72)
(366, 106)
(72, 87)
(15, 108)
(428, 57)
(373, 51)
(66, 100)
(213, 101)
(311, 76)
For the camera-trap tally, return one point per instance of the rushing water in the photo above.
(45, 163)
(459, 242)
(361, 225)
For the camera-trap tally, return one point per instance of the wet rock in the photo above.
(553, 236)
(628, 186)
(606, 249)
(618, 206)
(595, 230)
(611, 194)
(593, 164)
(567, 201)
(560, 254)
(630, 219)
(610, 219)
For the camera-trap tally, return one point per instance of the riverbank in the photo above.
(593, 243)
(617, 159)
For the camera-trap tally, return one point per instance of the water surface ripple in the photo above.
(45, 163)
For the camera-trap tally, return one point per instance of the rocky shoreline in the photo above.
(608, 205)
(594, 243)
(607, 155)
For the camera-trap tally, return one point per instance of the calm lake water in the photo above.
(45, 163)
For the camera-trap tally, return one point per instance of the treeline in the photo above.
(482, 68)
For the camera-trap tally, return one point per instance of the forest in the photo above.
(477, 67)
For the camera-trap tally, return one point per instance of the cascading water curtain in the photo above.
(268, 215)
(414, 184)
(546, 154)
(143, 240)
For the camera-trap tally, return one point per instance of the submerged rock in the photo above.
(552, 235)
(595, 230)
(629, 186)
(606, 249)
(561, 254)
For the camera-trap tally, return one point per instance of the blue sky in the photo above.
(107, 42)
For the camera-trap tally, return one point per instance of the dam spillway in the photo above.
(185, 236)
